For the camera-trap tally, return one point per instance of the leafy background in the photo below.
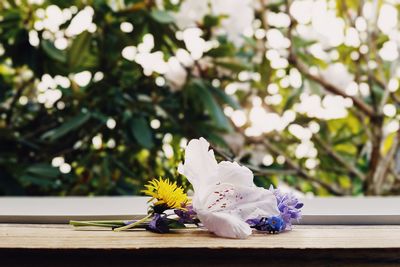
(98, 96)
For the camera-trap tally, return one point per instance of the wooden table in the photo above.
(61, 245)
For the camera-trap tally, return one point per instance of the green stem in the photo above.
(109, 224)
(129, 226)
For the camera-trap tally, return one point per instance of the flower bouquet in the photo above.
(225, 200)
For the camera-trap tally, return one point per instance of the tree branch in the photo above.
(294, 168)
(330, 87)
(325, 84)
(384, 166)
(300, 171)
(328, 149)
(256, 170)
(383, 86)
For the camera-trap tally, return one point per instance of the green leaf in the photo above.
(224, 50)
(40, 181)
(225, 97)
(291, 99)
(202, 93)
(215, 139)
(231, 65)
(49, 48)
(141, 131)
(162, 16)
(41, 174)
(9, 185)
(211, 21)
(43, 170)
(79, 50)
(99, 116)
(174, 224)
(66, 127)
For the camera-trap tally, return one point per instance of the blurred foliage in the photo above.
(124, 124)
(32, 135)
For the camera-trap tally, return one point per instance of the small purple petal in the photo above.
(186, 216)
(158, 224)
(253, 222)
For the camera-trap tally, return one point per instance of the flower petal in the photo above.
(231, 172)
(224, 224)
(225, 195)
(200, 166)
(242, 201)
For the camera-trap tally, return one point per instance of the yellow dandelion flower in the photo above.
(166, 193)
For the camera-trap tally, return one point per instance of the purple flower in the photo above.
(289, 207)
(255, 222)
(273, 225)
(186, 215)
(159, 224)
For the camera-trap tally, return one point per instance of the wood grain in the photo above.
(302, 237)
(314, 245)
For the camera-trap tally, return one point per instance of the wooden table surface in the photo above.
(61, 245)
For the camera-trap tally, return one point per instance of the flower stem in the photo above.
(109, 224)
(129, 226)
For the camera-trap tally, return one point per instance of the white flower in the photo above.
(224, 193)
(81, 22)
(325, 27)
(338, 75)
(235, 23)
(175, 75)
(194, 43)
(191, 12)
(152, 62)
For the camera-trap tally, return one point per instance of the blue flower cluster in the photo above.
(272, 225)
